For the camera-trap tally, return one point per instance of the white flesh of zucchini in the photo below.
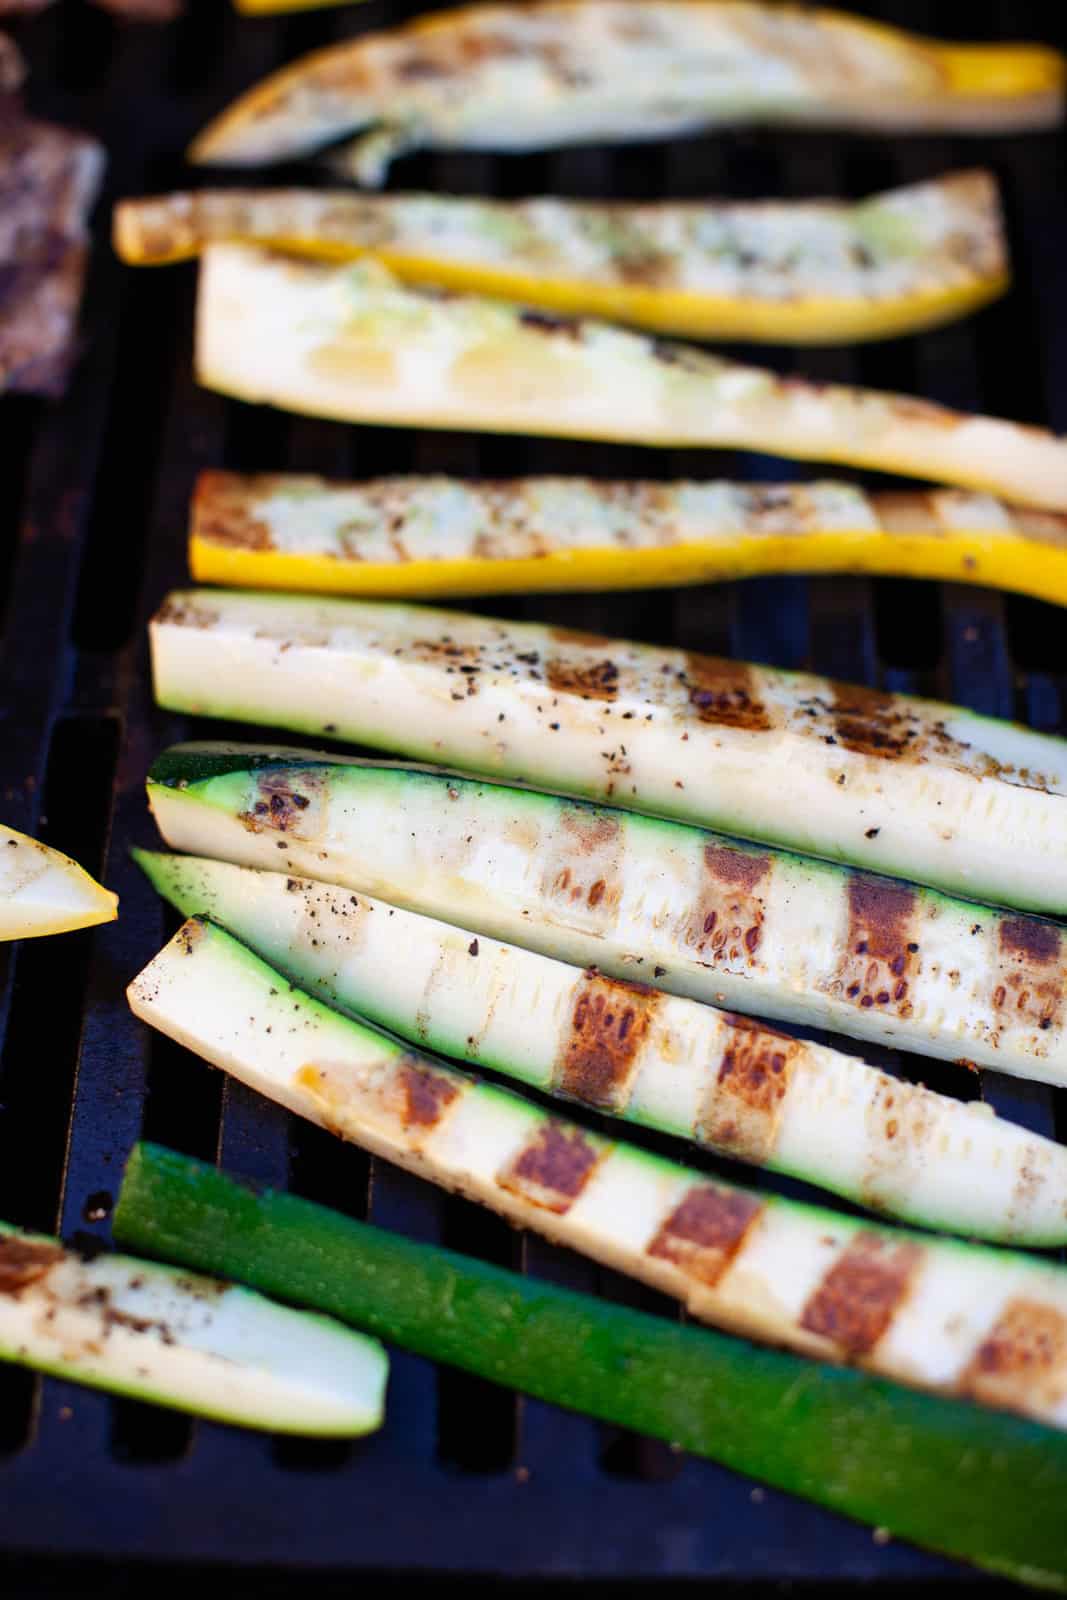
(352, 342)
(735, 1087)
(43, 891)
(933, 1313)
(697, 914)
(911, 787)
(160, 1334)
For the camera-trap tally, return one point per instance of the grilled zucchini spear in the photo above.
(712, 1077)
(43, 891)
(988, 1489)
(354, 343)
(796, 271)
(435, 537)
(932, 1313)
(556, 72)
(191, 1343)
(686, 910)
(906, 786)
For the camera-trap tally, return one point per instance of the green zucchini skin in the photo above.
(986, 1489)
(193, 1344)
(913, 788)
(691, 1070)
(956, 1318)
(757, 930)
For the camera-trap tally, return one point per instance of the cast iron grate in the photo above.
(465, 1477)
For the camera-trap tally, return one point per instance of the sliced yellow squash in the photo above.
(353, 343)
(42, 891)
(804, 271)
(554, 72)
(434, 536)
(257, 8)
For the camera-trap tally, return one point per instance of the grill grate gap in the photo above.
(21, 416)
(477, 1421)
(114, 552)
(143, 1434)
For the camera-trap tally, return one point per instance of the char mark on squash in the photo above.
(856, 1301)
(609, 1024)
(589, 680)
(743, 1108)
(724, 692)
(871, 723)
(1028, 982)
(427, 1095)
(551, 1171)
(705, 1231)
(221, 513)
(882, 952)
(284, 802)
(1023, 1360)
(24, 1262)
(725, 926)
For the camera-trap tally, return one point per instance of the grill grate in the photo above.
(91, 534)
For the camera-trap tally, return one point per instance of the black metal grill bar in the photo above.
(465, 1477)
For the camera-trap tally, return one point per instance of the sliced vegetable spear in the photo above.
(42, 891)
(423, 537)
(913, 787)
(804, 271)
(718, 1079)
(692, 912)
(196, 1344)
(539, 75)
(353, 343)
(987, 1489)
(937, 1314)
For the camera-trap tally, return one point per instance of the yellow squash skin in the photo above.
(237, 538)
(552, 72)
(263, 8)
(815, 271)
(43, 891)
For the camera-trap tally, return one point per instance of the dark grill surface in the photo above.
(93, 498)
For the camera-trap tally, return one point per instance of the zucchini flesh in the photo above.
(706, 1075)
(535, 76)
(934, 1313)
(193, 1344)
(987, 1489)
(425, 537)
(43, 891)
(800, 271)
(911, 787)
(691, 912)
(353, 342)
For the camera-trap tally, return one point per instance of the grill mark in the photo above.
(24, 1262)
(591, 680)
(725, 927)
(426, 1094)
(1028, 980)
(582, 874)
(285, 803)
(868, 722)
(705, 1231)
(723, 692)
(222, 514)
(609, 1024)
(553, 1168)
(1023, 1361)
(743, 1107)
(858, 1298)
(882, 954)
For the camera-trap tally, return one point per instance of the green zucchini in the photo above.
(933, 1313)
(910, 787)
(987, 1489)
(190, 1343)
(707, 1075)
(695, 913)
